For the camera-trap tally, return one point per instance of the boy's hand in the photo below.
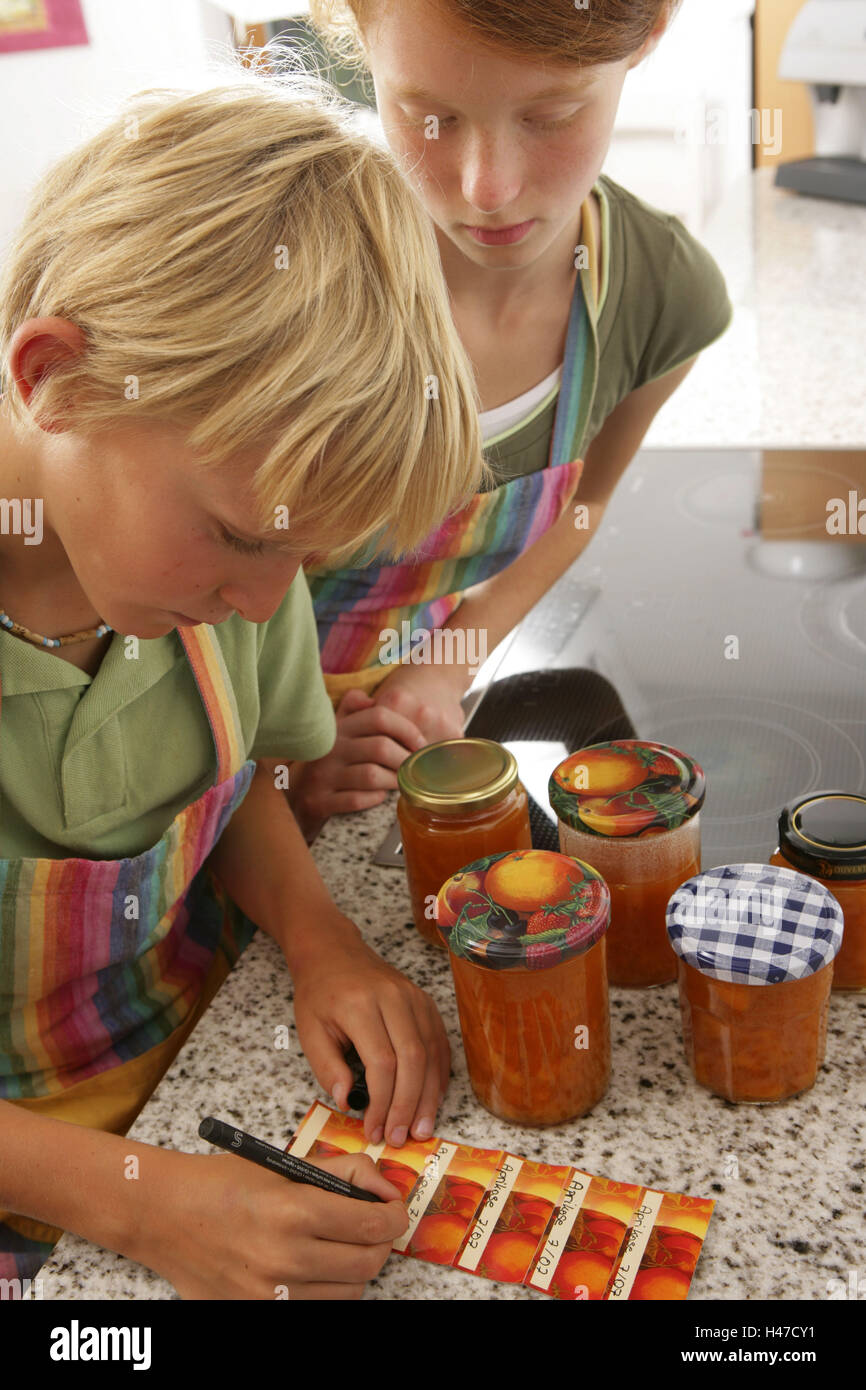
(345, 993)
(218, 1227)
(413, 706)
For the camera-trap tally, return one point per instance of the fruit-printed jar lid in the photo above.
(626, 787)
(527, 908)
(754, 924)
(825, 834)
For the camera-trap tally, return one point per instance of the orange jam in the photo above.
(459, 800)
(824, 835)
(526, 939)
(751, 1042)
(631, 809)
(756, 946)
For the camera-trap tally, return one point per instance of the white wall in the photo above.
(696, 83)
(50, 99)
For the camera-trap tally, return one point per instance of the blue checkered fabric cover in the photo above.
(754, 924)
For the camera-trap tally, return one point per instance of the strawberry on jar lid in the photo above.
(528, 909)
(626, 787)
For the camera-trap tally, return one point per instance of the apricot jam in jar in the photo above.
(631, 808)
(526, 937)
(824, 835)
(756, 946)
(459, 799)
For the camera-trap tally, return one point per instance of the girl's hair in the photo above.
(537, 31)
(248, 266)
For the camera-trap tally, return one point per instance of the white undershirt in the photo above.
(506, 417)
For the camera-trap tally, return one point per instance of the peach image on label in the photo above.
(672, 1249)
(523, 1214)
(592, 1241)
(453, 1206)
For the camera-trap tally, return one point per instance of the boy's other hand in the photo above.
(345, 992)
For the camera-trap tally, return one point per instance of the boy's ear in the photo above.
(37, 347)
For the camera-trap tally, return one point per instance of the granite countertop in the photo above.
(788, 373)
(788, 1178)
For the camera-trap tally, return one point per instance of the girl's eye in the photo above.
(554, 124)
(245, 547)
(559, 123)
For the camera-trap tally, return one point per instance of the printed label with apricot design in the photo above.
(549, 1226)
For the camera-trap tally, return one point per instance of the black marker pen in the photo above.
(235, 1141)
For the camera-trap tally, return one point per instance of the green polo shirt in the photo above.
(98, 767)
(662, 299)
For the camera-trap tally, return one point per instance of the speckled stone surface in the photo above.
(789, 1179)
(788, 373)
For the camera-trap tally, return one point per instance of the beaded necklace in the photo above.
(21, 631)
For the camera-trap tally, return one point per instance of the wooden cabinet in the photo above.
(773, 19)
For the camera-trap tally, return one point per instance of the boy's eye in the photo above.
(245, 547)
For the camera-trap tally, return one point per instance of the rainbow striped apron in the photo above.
(354, 606)
(106, 965)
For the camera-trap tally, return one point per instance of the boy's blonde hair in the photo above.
(161, 239)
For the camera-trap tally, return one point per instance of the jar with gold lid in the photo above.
(824, 835)
(459, 799)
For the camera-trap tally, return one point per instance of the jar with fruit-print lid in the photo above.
(459, 798)
(631, 808)
(525, 932)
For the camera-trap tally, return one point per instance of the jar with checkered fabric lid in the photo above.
(755, 947)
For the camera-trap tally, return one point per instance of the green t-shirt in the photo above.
(663, 300)
(98, 767)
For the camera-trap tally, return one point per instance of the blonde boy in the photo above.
(226, 345)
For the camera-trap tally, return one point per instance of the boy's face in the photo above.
(504, 155)
(144, 531)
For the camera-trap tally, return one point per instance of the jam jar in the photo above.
(756, 946)
(526, 938)
(459, 799)
(824, 835)
(631, 809)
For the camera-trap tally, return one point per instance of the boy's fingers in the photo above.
(412, 1041)
(371, 764)
(360, 1170)
(354, 700)
(433, 1034)
(330, 1068)
(376, 721)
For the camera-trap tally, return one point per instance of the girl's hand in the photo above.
(220, 1227)
(345, 993)
(361, 768)
(429, 696)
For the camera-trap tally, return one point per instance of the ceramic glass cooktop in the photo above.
(695, 618)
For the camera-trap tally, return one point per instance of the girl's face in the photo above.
(515, 145)
(153, 541)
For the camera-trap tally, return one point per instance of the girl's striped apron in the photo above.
(355, 606)
(106, 965)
